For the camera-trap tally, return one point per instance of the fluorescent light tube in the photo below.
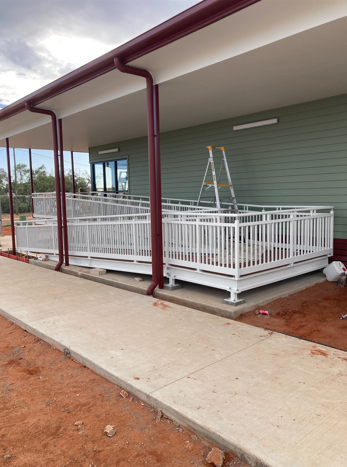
(255, 124)
(108, 151)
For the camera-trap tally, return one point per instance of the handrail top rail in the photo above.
(190, 216)
(99, 199)
(143, 199)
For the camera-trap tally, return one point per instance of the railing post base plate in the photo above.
(172, 287)
(234, 301)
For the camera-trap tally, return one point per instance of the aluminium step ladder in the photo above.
(206, 185)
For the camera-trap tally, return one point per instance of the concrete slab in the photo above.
(276, 400)
(98, 271)
(6, 243)
(197, 296)
(273, 400)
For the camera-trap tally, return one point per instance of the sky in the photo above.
(41, 40)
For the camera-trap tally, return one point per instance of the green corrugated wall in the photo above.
(301, 160)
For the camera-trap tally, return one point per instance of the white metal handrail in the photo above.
(87, 205)
(195, 241)
(180, 201)
(45, 205)
(219, 248)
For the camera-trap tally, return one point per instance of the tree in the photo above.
(4, 193)
(82, 181)
(44, 182)
(21, 189)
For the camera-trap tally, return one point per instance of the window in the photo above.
(111, 176)
(122, 175)
(99, 177)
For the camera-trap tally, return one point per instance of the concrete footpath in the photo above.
(195, 296)
(276, 400)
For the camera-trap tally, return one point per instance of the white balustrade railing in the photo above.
(91, 205)
(241, 245)
(224, 244)
(126, 238)
(102, 204)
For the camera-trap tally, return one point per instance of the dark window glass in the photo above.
(110, 176)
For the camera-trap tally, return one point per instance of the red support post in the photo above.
(57, 180)
(152, 170)
(73, 174)
(158, 185)
(63, 191)
(31, 181)
(10, 198)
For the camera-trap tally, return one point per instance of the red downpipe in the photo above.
(158, 185)
(31, 181)
(63, 191)
(73, 173)
(57, 181)
(152, 170)
(10, 198)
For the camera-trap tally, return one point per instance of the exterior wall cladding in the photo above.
(302, 160)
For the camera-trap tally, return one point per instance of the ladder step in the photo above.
(216, 179)
(212, 183)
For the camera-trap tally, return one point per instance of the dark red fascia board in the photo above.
(197, 17)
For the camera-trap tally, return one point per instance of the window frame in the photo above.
(92, 174)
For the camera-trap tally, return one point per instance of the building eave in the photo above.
(197, 17)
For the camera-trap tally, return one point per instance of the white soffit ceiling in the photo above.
(302, 67)
(261, 24)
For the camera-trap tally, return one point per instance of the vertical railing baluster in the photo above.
(88, 242)
(263, 243)
(53, 240)
(237, 249)
(269, 238)
(251, 247)
(229, 247)
(166, 239)
(291, 234)
(221, 247)
(331, 220)
(135, 242)
(186, 239)
(326, 233)
(198, 240)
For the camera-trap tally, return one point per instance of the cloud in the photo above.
(41, 40)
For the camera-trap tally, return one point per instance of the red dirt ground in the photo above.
(43, 393)
(7, 216)
(313, 314)
(6, 231)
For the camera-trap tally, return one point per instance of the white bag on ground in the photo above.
(334, 271)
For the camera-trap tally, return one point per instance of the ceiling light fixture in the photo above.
(108, 151)
(255, 124)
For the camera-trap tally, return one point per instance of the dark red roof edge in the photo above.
(197, 17)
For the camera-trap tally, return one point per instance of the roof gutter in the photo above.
(197, 17)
